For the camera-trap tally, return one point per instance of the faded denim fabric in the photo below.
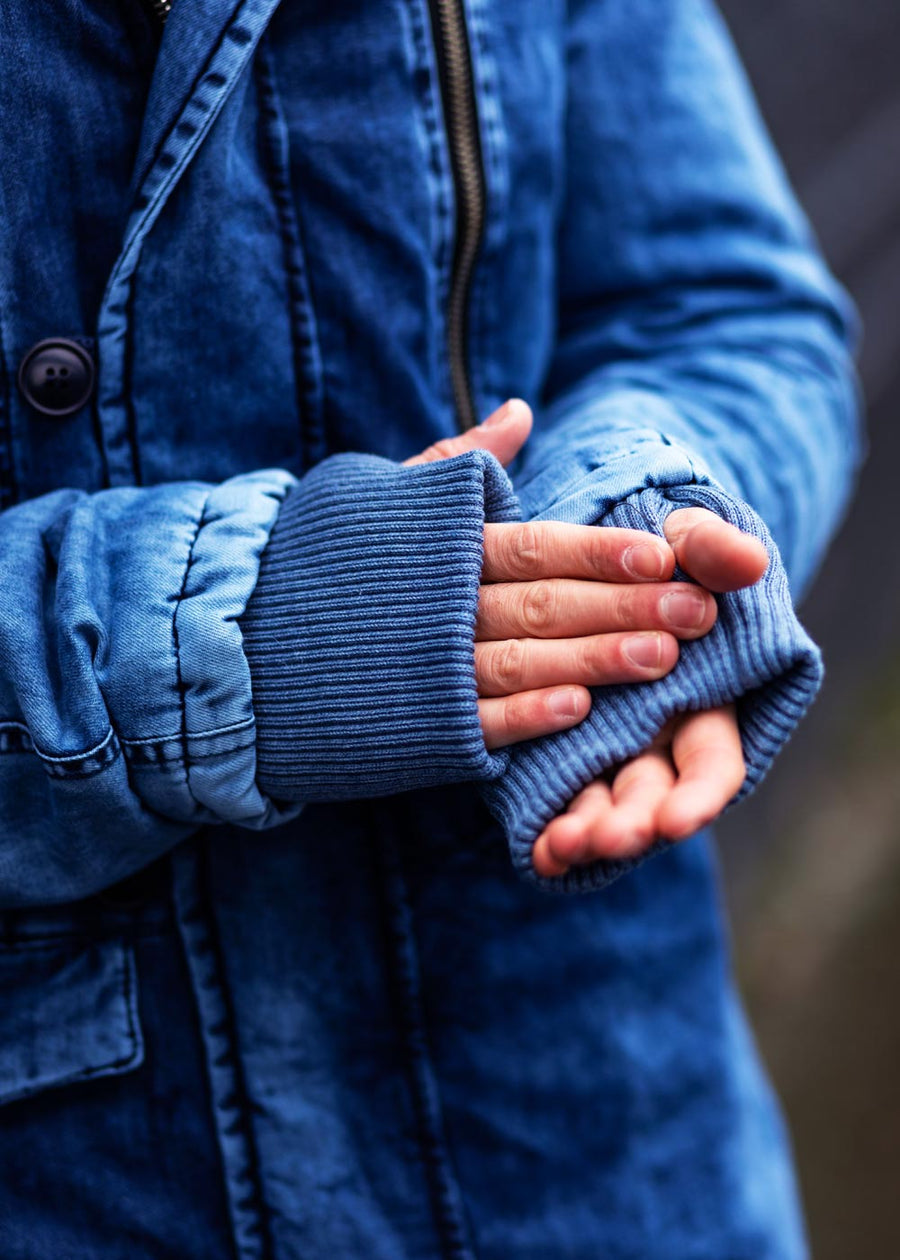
(234, 1026)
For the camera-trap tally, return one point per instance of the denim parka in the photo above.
(277, 977)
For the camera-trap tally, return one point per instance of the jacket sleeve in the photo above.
(188, 654)
(703, 358)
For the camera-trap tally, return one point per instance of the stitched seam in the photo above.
(437, 157)
(165, 739)
(308, 377)
(110, 1065)
(182, 761)
(62, 759)
(44, 944)
(223, 752)
(63, 762)
(7, 469)
(179, 678)
(228, 1095)
(75, 771)
(127, 391)
(192, 90)
(452, 1229)
(71, 765)
(123, 1060)
(149, 204)
(126, 986)
(81, 937)
(131, 419)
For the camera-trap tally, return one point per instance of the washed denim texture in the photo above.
(343, 1017)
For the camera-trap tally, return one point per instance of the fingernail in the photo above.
(504, 413)
(644, 650)
(683, 609)
(565, 704)
(644, 561)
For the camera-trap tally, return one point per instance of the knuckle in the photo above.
(504, 607)
(518, 715)
(598, 546)
(590, 659)
(524, 549)
(506, 666)
(678, 524)
(601, 548)
(491, 605)
(498, 612)
(539, 608)
(623, 609)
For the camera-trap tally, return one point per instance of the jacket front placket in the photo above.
(206, 47)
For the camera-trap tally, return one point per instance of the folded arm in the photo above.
(703, 360)
(186, 654)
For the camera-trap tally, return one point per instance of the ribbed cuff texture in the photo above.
(359, 633)
(757, 654)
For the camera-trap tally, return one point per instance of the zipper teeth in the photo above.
(461, 121)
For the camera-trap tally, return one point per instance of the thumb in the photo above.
(714, 553)
(504, 433)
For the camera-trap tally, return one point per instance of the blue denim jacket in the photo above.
(278, 978)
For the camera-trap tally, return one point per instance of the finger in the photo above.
(638, 791)
(714, 553)
(531, 714)
(511, 665)
(612, 822)
(504, 433)
(555, 549)
(709, 760)
(565, 840)
(555, 608)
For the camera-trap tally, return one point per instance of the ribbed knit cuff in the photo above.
(757, 654)
(360, 631)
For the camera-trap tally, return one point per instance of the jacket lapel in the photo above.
(206, 45)
(207, 40)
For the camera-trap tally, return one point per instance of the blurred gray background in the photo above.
(812, 862)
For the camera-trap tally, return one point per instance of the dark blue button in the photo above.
(56, 376)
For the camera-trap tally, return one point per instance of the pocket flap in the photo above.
(68, 1011)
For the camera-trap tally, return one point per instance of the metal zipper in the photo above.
(454, 61)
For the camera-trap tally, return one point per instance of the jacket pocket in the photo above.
(68, 1012)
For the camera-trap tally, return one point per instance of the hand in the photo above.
(566, 607)
(695, 765)
(680, 784)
